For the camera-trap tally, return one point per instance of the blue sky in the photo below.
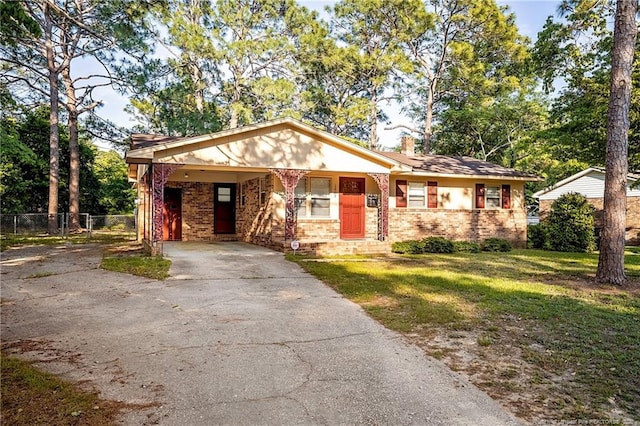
(530, 17)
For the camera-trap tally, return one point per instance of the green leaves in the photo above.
(577, 48)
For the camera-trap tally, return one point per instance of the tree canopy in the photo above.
(459, 74)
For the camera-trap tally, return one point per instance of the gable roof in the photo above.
(597, 170)
(144, 146)
(444, 165)
(143, 140)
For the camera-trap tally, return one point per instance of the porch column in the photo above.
(161, 173)
(382, 179)
(289, 179)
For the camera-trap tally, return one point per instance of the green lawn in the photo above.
(544, 339)
(10, 240)
(155, 267)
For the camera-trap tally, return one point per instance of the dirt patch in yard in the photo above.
(31, 396)
(497, 364)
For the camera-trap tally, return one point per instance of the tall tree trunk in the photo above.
(373, 136)
(54, 131)
(194, 13)
(196, 76)
(611, 260)
(233, 120)
(74, 151)
(428, 119)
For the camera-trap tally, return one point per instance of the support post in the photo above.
(289, 179)
(161, 173)
(382, 179)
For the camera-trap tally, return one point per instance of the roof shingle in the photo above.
(445, 164)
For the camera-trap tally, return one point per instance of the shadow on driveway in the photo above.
(237, 335)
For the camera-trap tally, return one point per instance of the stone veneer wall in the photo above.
(465, 225)
(633, 216)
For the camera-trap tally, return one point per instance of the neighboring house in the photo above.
(282, 180)
(590, 183)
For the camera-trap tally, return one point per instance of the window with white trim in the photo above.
(492, 197)
(416, 194)
(320, 197)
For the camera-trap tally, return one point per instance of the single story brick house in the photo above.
(279, 181)
(590, 183)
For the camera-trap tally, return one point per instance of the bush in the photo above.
(427, 245)
(466, 247)
(537, 236)
(408, 247)
(570, 224)
(496, 244)
(437, 245)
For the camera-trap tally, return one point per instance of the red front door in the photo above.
(351, 207)
(172, 215)
(224, 208)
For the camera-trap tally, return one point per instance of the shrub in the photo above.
(466, 247)
(408, 247)
(496, 244)
(537, 236)
(570, 224)
(437, 245)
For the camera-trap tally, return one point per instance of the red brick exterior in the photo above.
(261, 225)
(257, 223)
(464, 225)
(633, 216)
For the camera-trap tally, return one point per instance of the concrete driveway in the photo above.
(238, 335)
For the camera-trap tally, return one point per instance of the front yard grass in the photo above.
(32, 397)
(529, 326)
(10, 240)
(130, 259)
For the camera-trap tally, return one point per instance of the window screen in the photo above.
(492, 195)
(416, 194)
(320, 196)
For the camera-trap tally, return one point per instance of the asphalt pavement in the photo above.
(237, 336)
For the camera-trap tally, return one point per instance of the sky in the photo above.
(530, 17)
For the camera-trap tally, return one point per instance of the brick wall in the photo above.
(467, 225)
(633, 216)
(197, 210)
(257, 223)
(329, 229)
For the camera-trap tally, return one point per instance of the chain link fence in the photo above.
(112, 223)
(37, 223)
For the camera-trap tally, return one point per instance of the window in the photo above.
(318, 203)
(432, 195)
(416, 194)
(493, 197)
(224, 194)
(401, 193)
(300, 194)
(243, 198)
(320, 197)
(263, 191)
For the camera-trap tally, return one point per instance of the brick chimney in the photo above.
(408, 146)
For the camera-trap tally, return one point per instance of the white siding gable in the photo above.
(590, 185)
